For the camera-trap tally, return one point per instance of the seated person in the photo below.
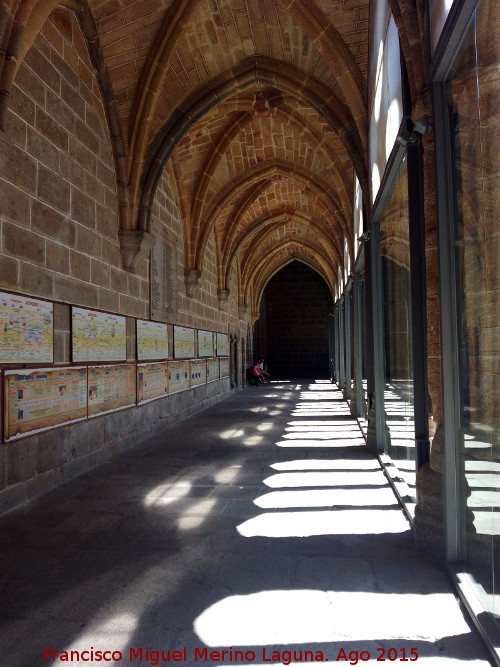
(258, 378)
(263, 370)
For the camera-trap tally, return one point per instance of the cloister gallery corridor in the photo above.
(261, 525)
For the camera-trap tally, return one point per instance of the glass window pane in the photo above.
(399, 399)
(474, 106)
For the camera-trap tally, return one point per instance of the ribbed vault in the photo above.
(259, 107)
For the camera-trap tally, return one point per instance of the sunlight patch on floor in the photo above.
(327, 464)
(112, 634)
(326, 498)
(335, 478)
(232, 433)
(319, 430)
(227, 474)
(167, 493)
(324, 522)
(252, 440)
(196, 515)
(323, 435)
(330, 444)
(295, 617)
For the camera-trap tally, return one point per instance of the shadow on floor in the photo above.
(262, 523)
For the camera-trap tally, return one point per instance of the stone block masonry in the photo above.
(58, 209)
(37, 464)
(59, 241)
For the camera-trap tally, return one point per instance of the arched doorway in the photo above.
(292, 329)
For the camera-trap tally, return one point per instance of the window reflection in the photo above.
(473, 100)
(398, 395)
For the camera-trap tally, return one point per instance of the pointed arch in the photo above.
(264, 71)
(315, 24)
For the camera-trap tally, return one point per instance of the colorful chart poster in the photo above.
(40, 399)
(178, 376)
(224, 367)
(205, 344)
(212, 370)
(222, 345)
(26, 330)
(183, 343)
(152, 340)
(152, 381)
(198, 372)
(98, 336)
(111, 388)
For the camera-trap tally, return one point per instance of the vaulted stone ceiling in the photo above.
(258, 107)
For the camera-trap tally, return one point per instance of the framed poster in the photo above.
(205, 343)
(111, 388)
(178, 376)
(198, 372)
(37, 400)
(152, 381)
(222, 345)
(152, 340)
(212, 370)
(97, 336)
(183, 342)
(26, 330)
(224, 367)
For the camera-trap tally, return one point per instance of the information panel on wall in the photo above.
(152, 340)
(26, 330)
(212, 370)
(224, 367)
(205, 343)
(97, 336)
(183, 342)
(152, 381)
(198, 372)
(178, 376)
(222, 345)
(111, 388)
(40, 399)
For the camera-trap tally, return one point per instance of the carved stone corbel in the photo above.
(192, 280)
(135, 245)
(254, 317)
(223, 295)
(242, 309)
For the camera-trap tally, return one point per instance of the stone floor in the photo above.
(261, 524)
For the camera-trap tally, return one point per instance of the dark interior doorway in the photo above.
(292, 330)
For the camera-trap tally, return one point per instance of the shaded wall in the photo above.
(292, 332)
(59, 240)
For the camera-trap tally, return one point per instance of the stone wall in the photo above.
(35, 465)
(59, 240)
(59, 212)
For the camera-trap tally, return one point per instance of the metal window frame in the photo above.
(331, 344)
(407, 145)
(384, 194)
(368, 322)
(348, 339)
(447, 50)
(358, 346)
(341, 339)
(357, 330)
(336, 328)
(416, 224)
